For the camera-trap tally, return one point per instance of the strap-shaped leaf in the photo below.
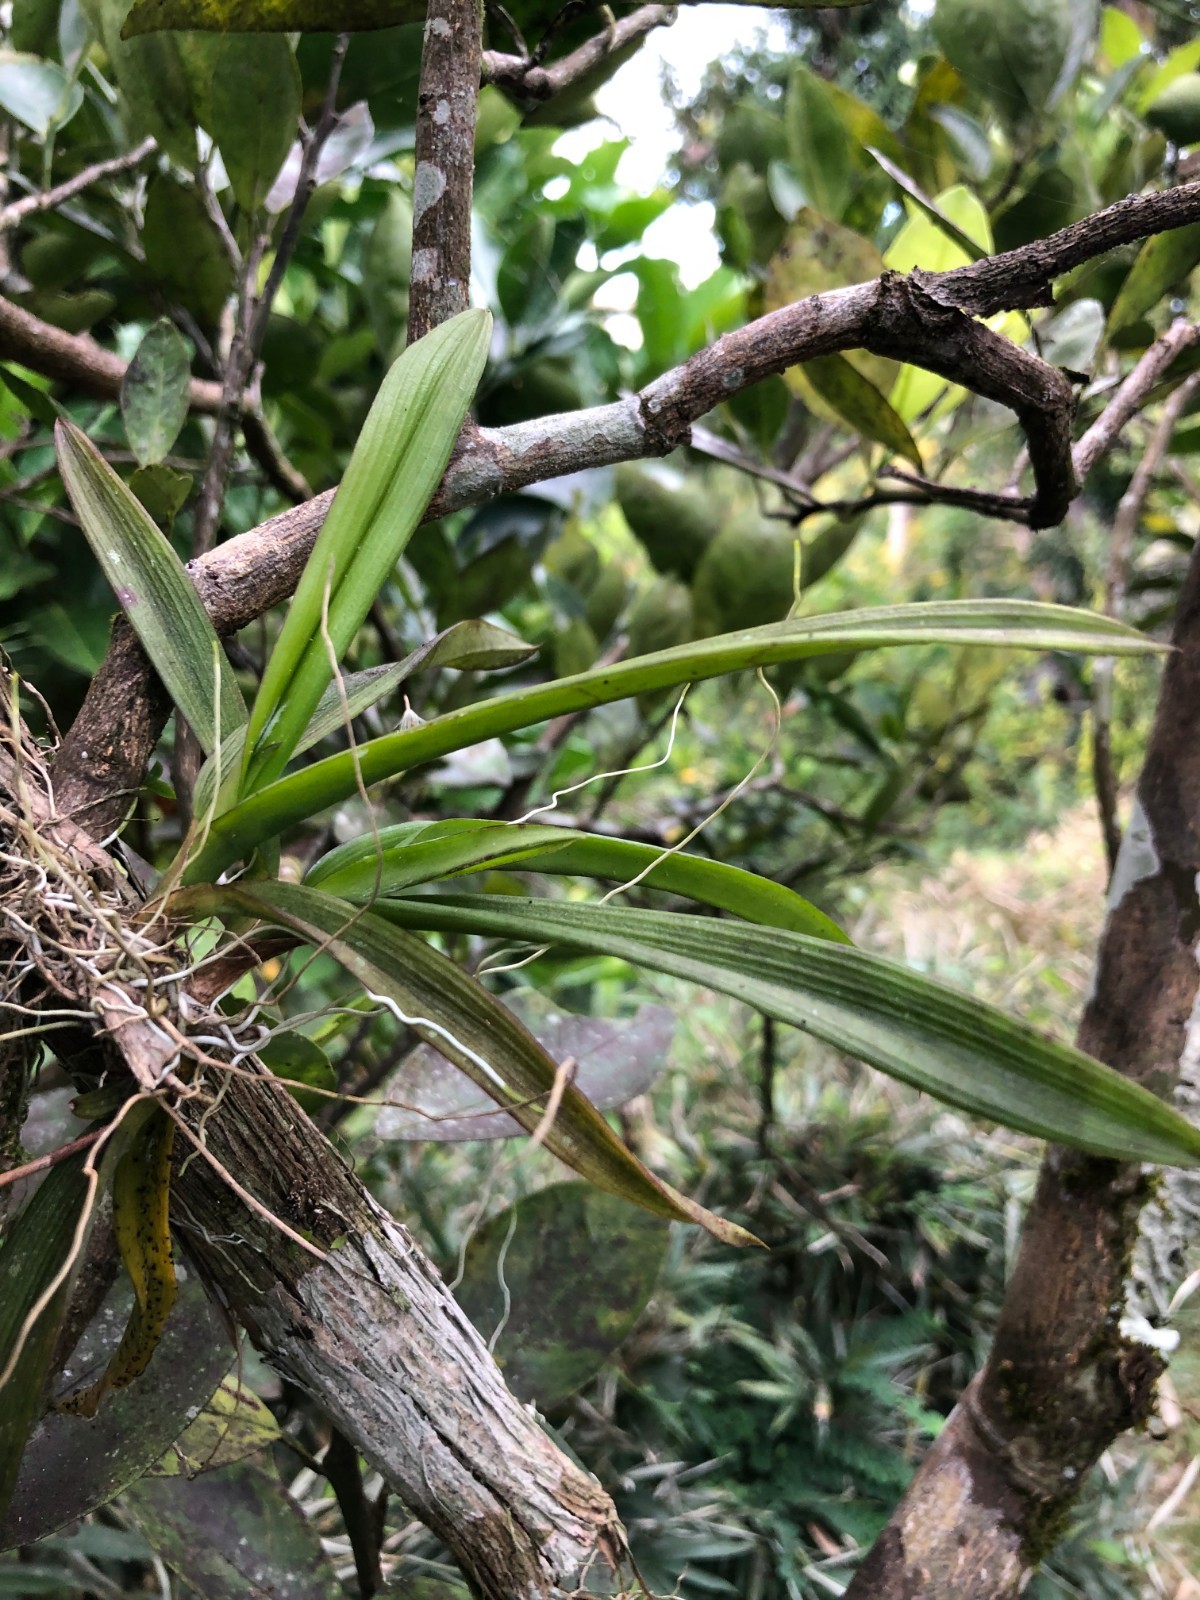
(470, 646)
(948, 1044)
(423, 852)
(397, 463)
(1012, 624)
(39, 1259)
(153, 589)
(141, 1193)
(34, 1252)
(457, 1015)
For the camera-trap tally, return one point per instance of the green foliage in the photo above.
(795, 1390)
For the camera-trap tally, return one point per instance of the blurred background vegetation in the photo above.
(756, 1415)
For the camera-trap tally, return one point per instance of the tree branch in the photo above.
(1131, 394)
(104, 754)
(1065, 1375)
(447, 102)
(418, 1394)
(48, 199)
(334, 1292)
(524, 78)
(76, 359)
(1022, 279)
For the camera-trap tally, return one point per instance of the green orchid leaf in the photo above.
(406, 856)
(1012, 624)
(153, 589)
(471, 646)
(930, 1036)
(454, 1012)
(397, 463)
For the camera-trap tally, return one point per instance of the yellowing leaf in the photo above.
(141, 1202)
(857, 401)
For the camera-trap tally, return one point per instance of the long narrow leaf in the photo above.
(153, 589)
(34, 1252)
(412, 854)
(396, 465)
(467, 646)
(39, 1259)
(457, 1015)
(918, 1030)
(1015, 624)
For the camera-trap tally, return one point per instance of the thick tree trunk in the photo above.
(1067, 1373)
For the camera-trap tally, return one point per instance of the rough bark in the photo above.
(1064, 1379)
(1116, 582)
(445, 164)
(291, 1243)
(416, 1392)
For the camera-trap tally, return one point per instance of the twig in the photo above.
(445, 164)
(305, 185)
(238, 366)
(766, 1085)
(263, 448)
(253, 315)
(59, 513)
(1131, 395)
(712, 444)
(1125, 526)
(525, 78)
(50, 1159)
(48, 199)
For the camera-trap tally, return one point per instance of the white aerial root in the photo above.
(487, 969)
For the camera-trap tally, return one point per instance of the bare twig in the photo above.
(263, 448)
(48, 199)
(1131, 395)
(306, 183)
(253, 315)
(30, 1169)
(445, 164)
(525, 78)
(239, 364)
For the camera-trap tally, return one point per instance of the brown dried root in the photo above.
(79, 951)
